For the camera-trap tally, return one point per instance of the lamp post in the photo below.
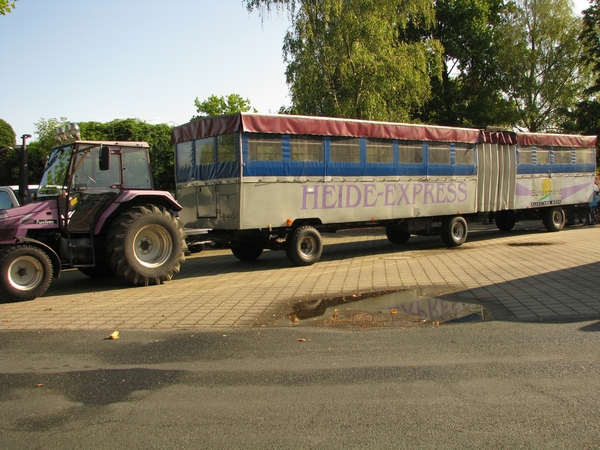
(24, 172)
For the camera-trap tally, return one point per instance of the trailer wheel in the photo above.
(304, 246)
(145, 245)
(247, 251)
(25, 272)
(454, 231)
(396, 236)
(554, 219)
(505, 220)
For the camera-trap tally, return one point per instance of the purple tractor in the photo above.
(97, 212)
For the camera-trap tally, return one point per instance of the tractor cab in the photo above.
(86, 176)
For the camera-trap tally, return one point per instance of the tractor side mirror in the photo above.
(104, 157)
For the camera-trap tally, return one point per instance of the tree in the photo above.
(8, 138)
(590, 38)
(344, 58)
(541, 58)
(216, 106)
(7, 6)
(162, 158)
(469, 92)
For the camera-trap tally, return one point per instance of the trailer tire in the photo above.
(25, 272)
(397, 236)
(304, 246)
(145, 245)
(247, 251)
(505, 220)
(554, 219)
(454, 231)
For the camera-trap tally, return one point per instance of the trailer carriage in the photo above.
(277, 182)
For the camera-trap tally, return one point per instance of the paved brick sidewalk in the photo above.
(528, 274)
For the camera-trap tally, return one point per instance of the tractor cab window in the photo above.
(136, 169)
(87, 174)
(54, 179)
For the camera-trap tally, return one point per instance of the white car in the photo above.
(9, 195)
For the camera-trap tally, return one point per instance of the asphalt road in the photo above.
(236, 355)
(472, 385)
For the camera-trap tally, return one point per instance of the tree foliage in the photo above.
(216, 106)
(477, 63)
(157, 136)
(541, 58)
(590, 38)
(8, 138)
(469, 92)
(7, 6)
(344, 58)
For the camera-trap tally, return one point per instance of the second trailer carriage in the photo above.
(277, 181)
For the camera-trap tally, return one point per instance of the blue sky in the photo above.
(99, 60)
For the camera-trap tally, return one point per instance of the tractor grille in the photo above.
(8, 228)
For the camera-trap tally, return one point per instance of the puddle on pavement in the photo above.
(407, 308)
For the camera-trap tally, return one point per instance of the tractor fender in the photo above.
(54, 258)
(130, 198)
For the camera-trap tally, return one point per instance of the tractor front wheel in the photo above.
(25, 272)
(145, 245)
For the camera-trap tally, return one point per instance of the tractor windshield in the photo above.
(54, 179)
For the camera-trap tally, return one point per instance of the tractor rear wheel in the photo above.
(145, 245)
(25, 272)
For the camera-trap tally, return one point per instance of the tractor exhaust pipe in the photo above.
(24, 172)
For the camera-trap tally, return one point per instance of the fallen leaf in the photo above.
(302, 340)
(393, 311)
(39, 385)
(294, 318)
(114, 335)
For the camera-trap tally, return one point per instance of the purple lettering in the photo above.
(308, 190)
(462, 188)
(428, 193)
(369, 190)
(432, 306)
(328, 190)
(441, 193)
(389, 192)
(418, 188)
(348, 196)
(403, 194)
(452, 191)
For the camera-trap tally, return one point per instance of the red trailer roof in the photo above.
(319, 126)
(329, 126)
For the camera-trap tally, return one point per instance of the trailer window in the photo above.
(205, 151)
(380, 151)
(227, 147)
(306, 148)
(465, 154)
(439, 154)
(265, 147)
(411, 152)
(542, 155)
(525, 155)
(345, 150)
(562, 156)
(585, 155)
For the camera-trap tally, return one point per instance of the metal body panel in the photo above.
(534, 191)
